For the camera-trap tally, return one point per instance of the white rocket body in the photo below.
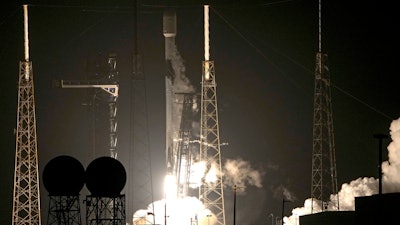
(169, 32)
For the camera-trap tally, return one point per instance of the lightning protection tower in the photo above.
(26, 195)
(323, 175)
(210, 193)
(140, 185)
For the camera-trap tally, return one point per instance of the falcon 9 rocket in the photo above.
(169, 32)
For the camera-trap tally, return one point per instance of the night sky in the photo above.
(264, 54)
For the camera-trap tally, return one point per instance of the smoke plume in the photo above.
(240, 173)
(366, 186)
(181, 83)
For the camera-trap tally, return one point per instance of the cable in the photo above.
(297, 64)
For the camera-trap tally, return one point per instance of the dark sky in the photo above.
(264, 54)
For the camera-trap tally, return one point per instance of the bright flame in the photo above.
(212, 174)
(178, 211)
(197, 173)
(170, 188)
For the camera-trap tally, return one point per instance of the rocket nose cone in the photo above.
(169, 24)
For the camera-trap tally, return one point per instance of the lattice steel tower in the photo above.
(140, 184)
(210, 193)
(26, 195)
(323, 177)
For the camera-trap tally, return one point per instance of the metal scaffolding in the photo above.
(323, 175)
(211, 193)
(64, 210)
(26, 195)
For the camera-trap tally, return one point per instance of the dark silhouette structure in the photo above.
(105, 178)
(329, 218)
(63, 178)
(377, 209)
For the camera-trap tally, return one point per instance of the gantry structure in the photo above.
(182, 167)
(26, 194)
(323, 174)
(110, 87)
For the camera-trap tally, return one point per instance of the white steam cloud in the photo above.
(366, 186)
(235, 172)
(181, 83)
(240, 173)
(391, 168)
(283, 191)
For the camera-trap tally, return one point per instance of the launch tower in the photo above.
(323, 175)
(26, 195)
(183, 147)
(210, 193)
(140, 188)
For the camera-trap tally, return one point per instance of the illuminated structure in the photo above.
(26, 195)
(183, 148)
(324, 177)
(180, 99)
(210, 193)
